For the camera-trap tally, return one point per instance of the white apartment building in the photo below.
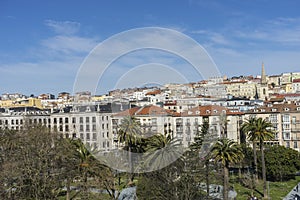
(90, 123)
(184, 126)
(285, 118)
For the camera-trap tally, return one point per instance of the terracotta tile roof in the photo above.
(296, 80)
(146, 111)
(209, 110)
(153, 92)
(277, 108)
(128, 112)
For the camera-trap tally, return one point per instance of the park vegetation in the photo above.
(37, 163)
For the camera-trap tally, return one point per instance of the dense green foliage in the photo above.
(281, 163)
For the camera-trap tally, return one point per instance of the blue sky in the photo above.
(43, 43)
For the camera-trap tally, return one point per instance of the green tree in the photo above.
(35, 168)
(87, 164)
(161, 150)
(248, 127)
(263, 133)
(226, 152)
(281, 163)
(129, 133)
(260, 130)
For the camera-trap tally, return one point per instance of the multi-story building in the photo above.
(153, 119)
(296, 86)
(184, 126)
(18, 118)
(285, 118)
(91, 123)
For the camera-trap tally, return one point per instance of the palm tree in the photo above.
(263, 133)
(87, 161)
(129, 133)
(161, 150)
(248, 128)
(260, 130)
(223, 124)
(226, 152)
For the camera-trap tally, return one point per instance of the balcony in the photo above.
(296, 137)
(179, 130)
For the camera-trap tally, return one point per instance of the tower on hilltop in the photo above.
(263, 79)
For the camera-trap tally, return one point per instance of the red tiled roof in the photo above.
(296, 80)
(209, 110)
(145, 111)
(153, 92)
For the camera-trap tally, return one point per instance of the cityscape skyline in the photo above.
(43, 46)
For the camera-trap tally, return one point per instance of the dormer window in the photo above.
(286, 109)
(274, 109)
(298, 108)
(88, 109)
(197, 112)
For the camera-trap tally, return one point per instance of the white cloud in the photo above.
(63, 27)
(69, 44)
(282, 30)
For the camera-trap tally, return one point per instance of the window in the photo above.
(94, 119)
(81, 119)
(87, 119)
(81, 136)
(286, 118)
(94, 136)
(81, 128)
(94, 127)
(73, 120)
(286, 136)
(294, 119)
(87, 128)
(273, 118)
(67, 128)
(66, 120)
(88, 136)
(295, 145)
(285, 126)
